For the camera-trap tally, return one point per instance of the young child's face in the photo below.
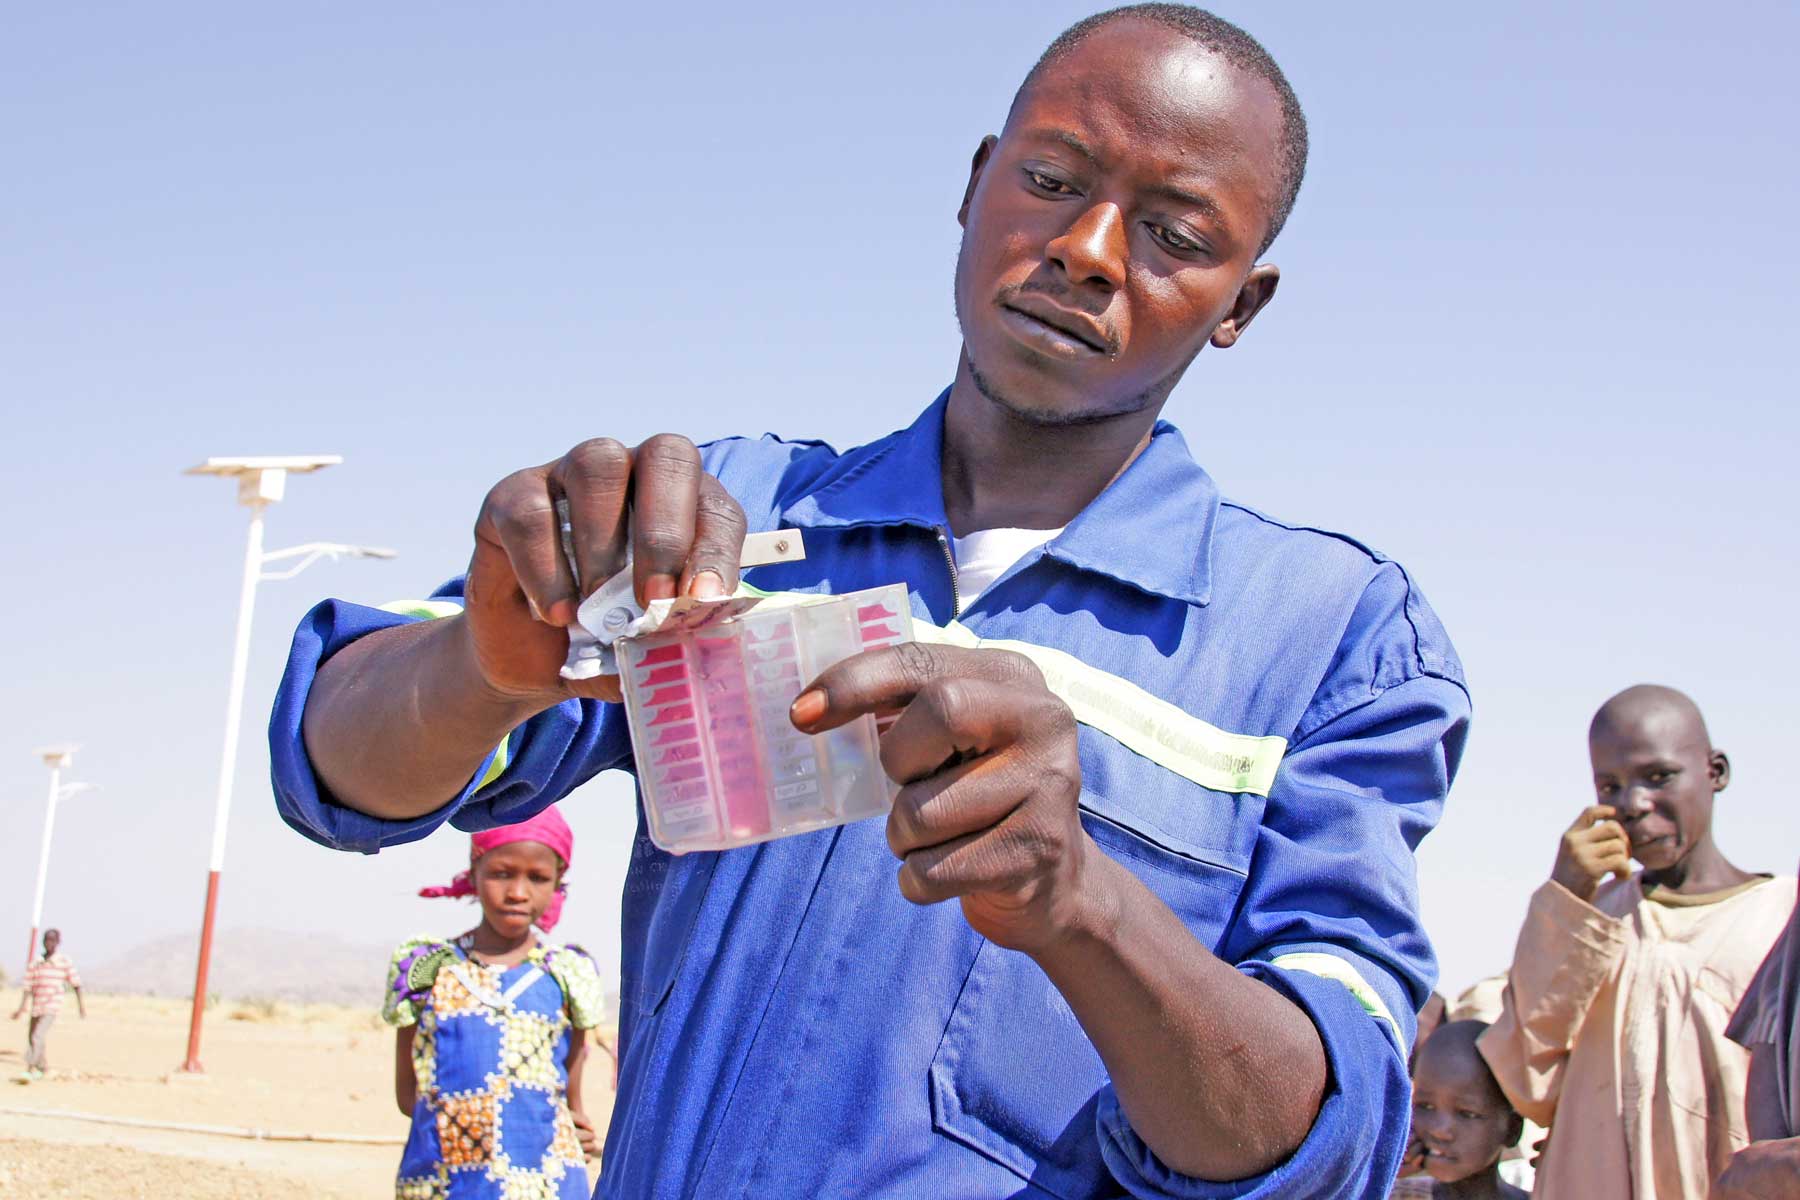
(515, 883)
(1658, 771)
(1459, 1114)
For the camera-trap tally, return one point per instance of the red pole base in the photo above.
(192, 1065)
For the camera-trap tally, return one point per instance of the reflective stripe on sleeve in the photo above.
(1330, 966)
(424, 610)
(1143, 723)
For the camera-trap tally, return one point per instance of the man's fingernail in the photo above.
(808, 708)
(659, 587)
(562, 613)
(707, 585)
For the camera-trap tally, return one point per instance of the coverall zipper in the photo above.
(950, 561)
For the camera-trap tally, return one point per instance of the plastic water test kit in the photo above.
(707, 687)
(718, 760)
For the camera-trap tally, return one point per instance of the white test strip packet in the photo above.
(612, 612)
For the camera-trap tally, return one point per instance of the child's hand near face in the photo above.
(1413, 1161)
(1594, 847)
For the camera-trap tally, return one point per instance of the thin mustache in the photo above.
(1061, 296)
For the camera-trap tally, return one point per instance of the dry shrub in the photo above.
(258, 1009)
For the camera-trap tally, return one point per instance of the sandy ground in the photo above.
(313, 1069)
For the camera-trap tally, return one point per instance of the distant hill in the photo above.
(251, 964)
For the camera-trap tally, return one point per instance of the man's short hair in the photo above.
(1237, 48)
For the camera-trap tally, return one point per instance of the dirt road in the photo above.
(319, 1070)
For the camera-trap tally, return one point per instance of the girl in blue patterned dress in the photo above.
(493, 1033)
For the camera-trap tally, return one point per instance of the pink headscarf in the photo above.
(547, 829)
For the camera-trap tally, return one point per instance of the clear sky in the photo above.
(1527, 342)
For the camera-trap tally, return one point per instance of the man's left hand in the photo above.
(990, 775)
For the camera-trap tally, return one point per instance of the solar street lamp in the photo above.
(261, 481)
(56, 758)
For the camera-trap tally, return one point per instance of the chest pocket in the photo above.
(1014, 1076)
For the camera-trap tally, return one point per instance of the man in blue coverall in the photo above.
(1185, 951)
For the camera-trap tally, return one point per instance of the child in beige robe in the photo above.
(1613, 1028)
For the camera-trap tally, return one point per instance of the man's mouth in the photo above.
(1048, 325)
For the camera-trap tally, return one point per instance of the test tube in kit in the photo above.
(719, 763)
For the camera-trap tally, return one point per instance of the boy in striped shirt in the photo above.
(45, 981)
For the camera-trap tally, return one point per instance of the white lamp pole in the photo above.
(56, 758)
(261, 482)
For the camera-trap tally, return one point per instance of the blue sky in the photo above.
(1527, 342)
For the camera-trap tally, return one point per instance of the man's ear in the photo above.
(977, 165)
(1720, 770)
(1258, 290)
(1515, 1129)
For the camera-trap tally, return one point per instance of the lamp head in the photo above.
(262, 478)
(58, 756)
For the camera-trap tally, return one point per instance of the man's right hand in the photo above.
(1594, 847)
(398, 722)
(684, 532)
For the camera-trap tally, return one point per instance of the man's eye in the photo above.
(1466, 1115)
(1043, 182)
(1171, 239)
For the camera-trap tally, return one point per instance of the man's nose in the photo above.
(1635, 802)
(1093, 249)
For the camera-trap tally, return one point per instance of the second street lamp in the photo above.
(261, 481)
(56, 758)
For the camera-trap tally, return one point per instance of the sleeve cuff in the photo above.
(330, 823)
(1568, 914)
(1354, 1146)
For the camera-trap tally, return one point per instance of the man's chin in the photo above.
(1050, 406)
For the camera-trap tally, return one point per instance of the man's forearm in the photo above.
(397, 722)
(1219, 1074)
